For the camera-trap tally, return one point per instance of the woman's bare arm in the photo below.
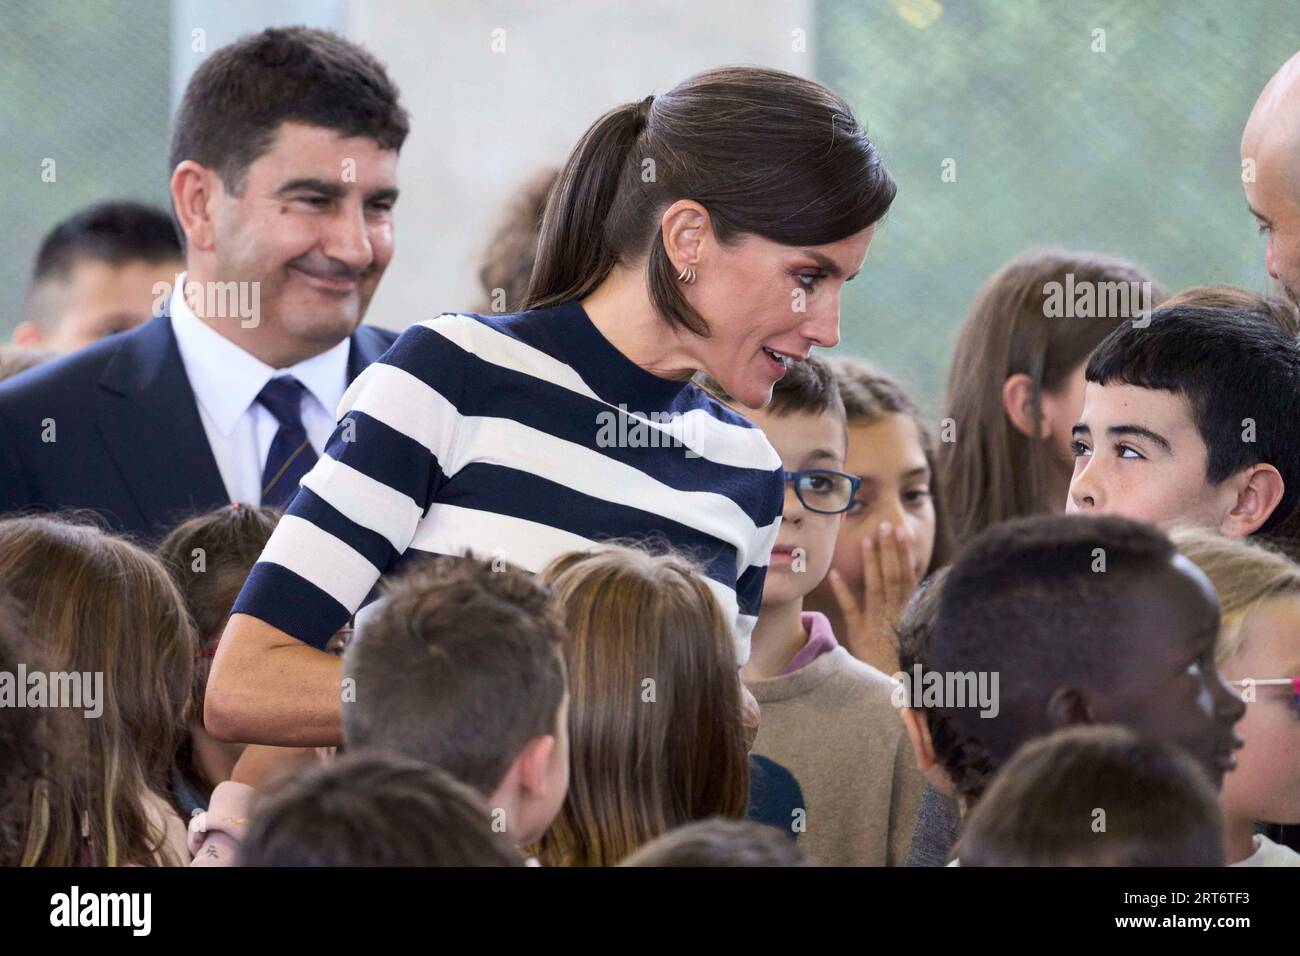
(267, 687)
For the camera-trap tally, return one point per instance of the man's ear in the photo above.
(1069, 707)
(918, 731)
(1018, 402)
(195, 188)
(530, 766)
(28, 335)
(1259, 490)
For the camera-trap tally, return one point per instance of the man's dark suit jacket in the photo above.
(128, 440)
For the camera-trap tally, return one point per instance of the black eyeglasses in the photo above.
(822, 491)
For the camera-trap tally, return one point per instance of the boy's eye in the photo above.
(1079, 449)
(1128, 451)
(807, 281)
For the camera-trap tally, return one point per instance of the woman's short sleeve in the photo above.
(357, 509)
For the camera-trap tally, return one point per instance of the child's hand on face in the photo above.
(888, 580)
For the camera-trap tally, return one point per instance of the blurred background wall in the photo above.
(1091, 124)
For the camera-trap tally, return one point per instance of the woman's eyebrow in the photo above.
(829, 265)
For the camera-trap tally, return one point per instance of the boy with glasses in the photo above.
(826, 716)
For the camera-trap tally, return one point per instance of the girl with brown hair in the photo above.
(101, 605)
(655, 733)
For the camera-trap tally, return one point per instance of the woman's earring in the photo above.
(687, 275)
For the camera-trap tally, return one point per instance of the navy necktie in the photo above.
(291, 455)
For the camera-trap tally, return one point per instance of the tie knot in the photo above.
(282, 397)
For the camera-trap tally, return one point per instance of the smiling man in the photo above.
(1191, 420)
(284, 177)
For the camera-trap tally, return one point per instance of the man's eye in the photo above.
(807, 281)
(1079, 449)
(317, 202)
(1263, 228)
(1127, 451)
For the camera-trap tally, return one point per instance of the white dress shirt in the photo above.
(226, 381)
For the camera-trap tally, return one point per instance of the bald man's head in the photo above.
(1270, 155)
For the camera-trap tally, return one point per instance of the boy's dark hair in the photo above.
(1042, 808)
(807, 387)
(209, 557)
(111, 232)
(375, 809)
(459, 667)
(913, 631)
(238, 97)
(1230, 366)
(1019, 602)
(720, 842)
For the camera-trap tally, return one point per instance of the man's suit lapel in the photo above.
(368, 343)
(150, 422)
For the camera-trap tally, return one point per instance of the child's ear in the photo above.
(1018, 401)
(918, 731)
(1069, 707)
(1259, 490)
(532, 763)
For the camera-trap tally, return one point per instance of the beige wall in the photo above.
(483, 121)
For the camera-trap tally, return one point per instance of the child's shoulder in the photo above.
(871, 688)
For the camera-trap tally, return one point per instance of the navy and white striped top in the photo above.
(520, 437)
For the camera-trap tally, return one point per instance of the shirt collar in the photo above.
(226, 379)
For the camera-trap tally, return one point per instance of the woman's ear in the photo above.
(1257, 498)
(1018, 402)
(686, 230)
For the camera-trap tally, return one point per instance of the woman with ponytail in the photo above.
(709, 229)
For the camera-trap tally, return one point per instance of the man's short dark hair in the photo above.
(1042, 808)
(238, 97)
(115, 233)
(720, 842)
(1026, 600)
(375, 809)
(1231, 366)
(460, 667)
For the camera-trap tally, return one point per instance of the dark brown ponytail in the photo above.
(765, 152)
